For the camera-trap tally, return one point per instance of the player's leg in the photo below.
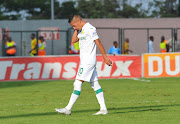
(74, 96)
(100, 97)
(99, 93)
(81, 75)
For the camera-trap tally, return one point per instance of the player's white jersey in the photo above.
(87, 46)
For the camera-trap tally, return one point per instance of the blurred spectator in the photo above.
(114, 49)
(167, 44)
(163, 45)
(126, 49)
(10, 47)
(177, 44)
(74, 48)
(33, 51)
(150, 45)
(41, 46)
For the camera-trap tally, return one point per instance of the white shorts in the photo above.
(87, 73)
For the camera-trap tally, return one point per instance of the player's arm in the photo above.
(101, 48)
(74, 37)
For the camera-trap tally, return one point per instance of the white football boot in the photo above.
(63, 111)
(101, 112)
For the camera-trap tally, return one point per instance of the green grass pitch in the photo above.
(129, 101)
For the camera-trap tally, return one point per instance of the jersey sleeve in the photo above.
(93, 33)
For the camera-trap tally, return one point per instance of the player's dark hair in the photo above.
(73, 16)
(70, 18)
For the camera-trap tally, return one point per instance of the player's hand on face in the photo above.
(108, 61)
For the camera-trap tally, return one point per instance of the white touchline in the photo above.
(139, 79)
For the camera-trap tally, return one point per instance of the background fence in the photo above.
(139, 38)
(58, 41)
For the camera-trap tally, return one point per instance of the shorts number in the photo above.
(80, 70)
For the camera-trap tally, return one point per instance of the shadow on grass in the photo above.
(115, 111)
(143, 110)
(18, 84)
(136, 109)
(28, 115)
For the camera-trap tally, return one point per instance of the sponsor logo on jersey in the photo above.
(82, 38)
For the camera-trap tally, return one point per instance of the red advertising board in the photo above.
(65, 67)
(123, 67)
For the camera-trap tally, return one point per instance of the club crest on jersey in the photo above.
(83, 31)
